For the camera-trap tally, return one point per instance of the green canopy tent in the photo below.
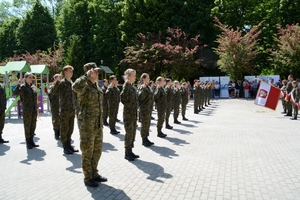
(106, 70)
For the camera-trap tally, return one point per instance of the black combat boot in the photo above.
(133, 155)
(2, 140)
(177, 122)
(284, 111)
(105, 122)
(168, 126)
(184, 119)
(128, 155)
(196, 112)
(113, 131)
(91, 183)
(145, 142)
(294, 118)
(33, 144)
(71, 147)
(56, 134)
(202, 107)
(66, 149)
(161, 134)
(28, 144)
(152, 143)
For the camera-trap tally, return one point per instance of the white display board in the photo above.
(274, 77)
(224, 80)
(204, 79)
(214, 78)
(264, 78)
(250, 78)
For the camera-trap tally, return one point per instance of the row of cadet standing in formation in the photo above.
(93, 105)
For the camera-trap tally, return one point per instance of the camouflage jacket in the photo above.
(28, 96)
(90, 98)
(169, 96)
(184, 95)
(103, 88)
(145, 98)
(176, 96)
(2, 98)
(289, 87)
(54, 99)
(129, 99)
(67, 98)
(296, 94)
(113, 96)
(160, 98)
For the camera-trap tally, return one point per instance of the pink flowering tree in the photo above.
(172, 56)
(237, 50)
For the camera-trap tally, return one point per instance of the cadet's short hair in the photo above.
(294, 82)
(27, 74)
(160, 78)
(112, 77)
(68, 67)
(104, 80)
(168, 80)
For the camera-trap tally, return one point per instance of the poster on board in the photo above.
(204, 79)
(264, 78)
(275, 79)
(214, 78)
(224, 80)
(250, 78)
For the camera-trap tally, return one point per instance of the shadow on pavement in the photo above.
(181, 131)
(107, 192)
(164, 151)
(3, 149)
(194, 121)
(176, 141)
(75, 159)
(154, 170)
(106, 147)
(187, 125)
(34, 154)
(14, 121)
(119, 135)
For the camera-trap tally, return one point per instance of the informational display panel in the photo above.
(224, 80)
(250, 78)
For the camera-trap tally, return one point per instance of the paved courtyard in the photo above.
(232, 150)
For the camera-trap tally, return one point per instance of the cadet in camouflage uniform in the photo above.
(54, 104)
(184, 99)
(289, 89)
(129, 99)
(105, 102)
(29, 104)
(295, 93)
(160, 98)
(90, 123)
(196, 89)
(283, 91)
(2, 112)
(113, 98)
(176, 101)
(145, 100)
(169, 93)
(202, 96)
(67, 105)
(209, 92)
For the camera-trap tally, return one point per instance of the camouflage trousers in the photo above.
(29, 120)
(176, 110)
(196, 103)
(145, 122)
(289, 107)
(168, 113)
(2, 120)
(283, 104)
(105, 110)
(130, 130)
(295, 111)
(113, 113)
(66, 124)
(183, 109)
(161, 114)
(91, 139)
(55, 118)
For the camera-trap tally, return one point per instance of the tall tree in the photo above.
(8, 39)
(37, 31)
(286, 59)
(237, 51)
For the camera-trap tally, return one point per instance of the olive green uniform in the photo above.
(113, 98)
(160, 98)
(67, 105)
(176, 102)
(129, 99)
(145, 100)
(90, 123)
(2, 109)
(169, 96)
(196, 89)
(283, 89)
(184, 100)
(295, 93)
(105, 103)
(54, 104)
(289, 105)
(29, 105)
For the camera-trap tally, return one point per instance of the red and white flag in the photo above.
(267, 95)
